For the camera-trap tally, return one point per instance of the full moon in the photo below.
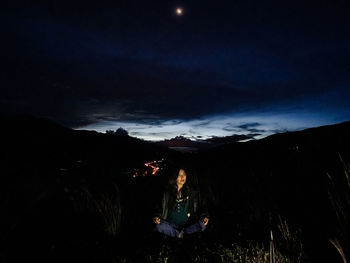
(179, 11)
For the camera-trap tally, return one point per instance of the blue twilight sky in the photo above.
(221, 68)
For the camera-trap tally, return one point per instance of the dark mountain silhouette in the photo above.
(119, 132)
(184, 144)
(54, 178)
(42, 137)
(284, 174)
(230, 139)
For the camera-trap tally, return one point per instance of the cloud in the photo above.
(249, 125)
(199, 77)
(252, 127)
(217, 125)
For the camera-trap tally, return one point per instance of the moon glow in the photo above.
(179, 11)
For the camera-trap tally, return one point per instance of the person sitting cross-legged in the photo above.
(180, 213)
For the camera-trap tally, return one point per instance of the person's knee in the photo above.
(159, 227)
(202, 226)
(165, 228)
(162, 226)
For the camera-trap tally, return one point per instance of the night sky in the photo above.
(218, 69)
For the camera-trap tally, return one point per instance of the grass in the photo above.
(199, 249)
(236, 253)
(105, 204)
(289, 241)
(339, 195)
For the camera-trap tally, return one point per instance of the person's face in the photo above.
(181, 178)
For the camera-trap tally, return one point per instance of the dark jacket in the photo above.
(197, 208)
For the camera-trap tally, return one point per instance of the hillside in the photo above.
(75, 189)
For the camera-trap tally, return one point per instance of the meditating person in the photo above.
(181, 212)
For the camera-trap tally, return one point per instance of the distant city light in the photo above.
(150, 168)
(154, 166)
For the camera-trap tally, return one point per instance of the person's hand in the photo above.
(205, 221)
(156, 220)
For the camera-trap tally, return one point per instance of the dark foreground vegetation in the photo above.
(79, 196)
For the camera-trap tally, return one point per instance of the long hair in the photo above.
(172, 185)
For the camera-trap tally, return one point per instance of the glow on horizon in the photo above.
(215, 126)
